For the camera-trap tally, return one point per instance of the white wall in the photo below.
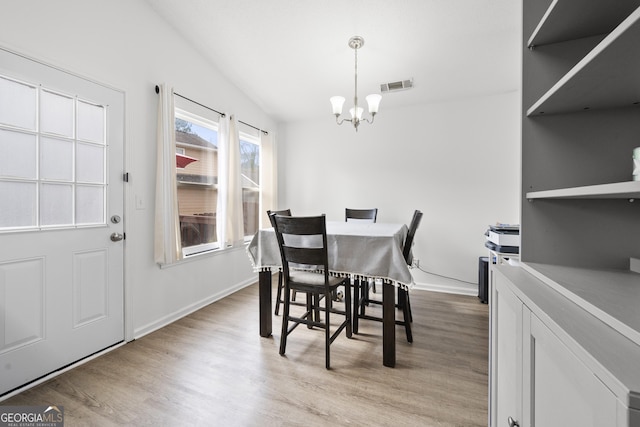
(123, 44)
(457, 161)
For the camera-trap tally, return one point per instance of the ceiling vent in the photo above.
(396, 86)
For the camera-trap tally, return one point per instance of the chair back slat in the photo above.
(304, 256)
(408, 242)
(370, 214)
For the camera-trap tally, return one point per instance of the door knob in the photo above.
(512, 422)
(116, 237)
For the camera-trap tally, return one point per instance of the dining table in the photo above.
(357, 249)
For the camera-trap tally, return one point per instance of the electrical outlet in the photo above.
(415, 263)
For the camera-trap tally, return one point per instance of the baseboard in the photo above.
(172, 317)
(459, 289)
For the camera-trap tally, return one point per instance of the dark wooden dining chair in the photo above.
(370, 214)
(408, 257)
(279, 300)
(303, 242)
(403, 302)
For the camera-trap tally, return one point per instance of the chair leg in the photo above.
(402, 302)
(285, 320)
(356, 303)
(311, 308)
(406, 300)
(316, 305)
(279, 293)
(364, 296)
(365, 293)
(347, 309)
(327, 329)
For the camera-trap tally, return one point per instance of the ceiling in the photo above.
(290, 56)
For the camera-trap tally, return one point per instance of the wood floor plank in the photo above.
(212, 368)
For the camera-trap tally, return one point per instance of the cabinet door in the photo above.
(506, 353)
(562, 390)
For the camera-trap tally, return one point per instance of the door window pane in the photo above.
(17, 154)
(91, 122)
(17, 104)
(89, 204)
(18, 204)
(56, 114)
(56, 159)
(90, 163)
(56, 204)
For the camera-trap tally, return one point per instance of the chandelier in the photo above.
(373, 100)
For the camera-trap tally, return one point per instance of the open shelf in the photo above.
(617, 190)
(570, 20)
(607, 77)
(610, 295)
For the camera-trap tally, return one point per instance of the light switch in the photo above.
(139, 202)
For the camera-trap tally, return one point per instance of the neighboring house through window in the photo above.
(197, 180)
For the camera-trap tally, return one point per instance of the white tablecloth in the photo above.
(361, 249)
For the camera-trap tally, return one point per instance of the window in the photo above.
(52, 158)
(197, 181)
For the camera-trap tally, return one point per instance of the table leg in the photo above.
(355, 303)
(388, 325)
(264, 293)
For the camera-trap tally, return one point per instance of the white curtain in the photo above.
(230, 224)
(167, 247)
(268, 177)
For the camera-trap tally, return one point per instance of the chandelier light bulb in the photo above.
(373, 101)
(336, 103)
(358, 113)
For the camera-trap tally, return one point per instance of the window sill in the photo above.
(205, 254)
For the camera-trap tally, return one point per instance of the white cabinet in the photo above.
(555, 364)
(562, 388)
(506, 361)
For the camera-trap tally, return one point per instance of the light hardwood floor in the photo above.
(212, 369)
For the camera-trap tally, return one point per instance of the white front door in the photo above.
(61, 219)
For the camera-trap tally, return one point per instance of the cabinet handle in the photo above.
(512, 422)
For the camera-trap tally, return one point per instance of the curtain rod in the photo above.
(215, 111)
(252, 126)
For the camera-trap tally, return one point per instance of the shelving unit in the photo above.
(570, 20)
(593, 82)
(629, 190)
(580, 222)
(579, 133)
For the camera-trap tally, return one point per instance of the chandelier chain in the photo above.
(355, 96)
